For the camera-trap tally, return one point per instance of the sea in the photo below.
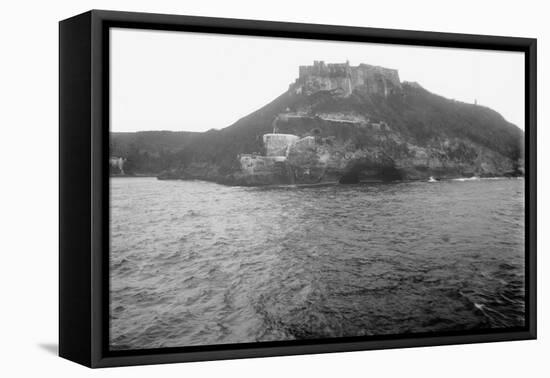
(198, 263)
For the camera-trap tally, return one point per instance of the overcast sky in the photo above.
(194, 82)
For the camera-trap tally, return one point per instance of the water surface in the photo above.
(197, 263)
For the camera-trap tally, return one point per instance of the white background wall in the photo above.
(28, 119)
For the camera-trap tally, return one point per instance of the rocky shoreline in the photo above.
(293, 160)
(331, 183)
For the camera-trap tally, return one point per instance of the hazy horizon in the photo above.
(155, 86)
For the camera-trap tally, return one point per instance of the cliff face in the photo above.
(339, 123)
(347, 148)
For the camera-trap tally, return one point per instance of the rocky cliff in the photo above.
(338, 123)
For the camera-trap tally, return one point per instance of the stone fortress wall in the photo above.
(278, 144)
(343, 78)
(278, 147)
(117, 163)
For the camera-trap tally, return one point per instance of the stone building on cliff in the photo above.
(291, 157)
(343, 79)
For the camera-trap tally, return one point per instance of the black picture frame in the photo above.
(84, 190)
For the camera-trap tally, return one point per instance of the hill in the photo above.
(337, 123)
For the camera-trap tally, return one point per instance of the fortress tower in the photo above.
(344, 79)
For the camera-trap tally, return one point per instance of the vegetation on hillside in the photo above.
(416, 114)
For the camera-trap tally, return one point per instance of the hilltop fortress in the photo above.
(343, 79)
(291, 158)
(350, 124)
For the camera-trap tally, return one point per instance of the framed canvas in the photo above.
(235, 188)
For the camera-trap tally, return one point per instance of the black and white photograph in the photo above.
(280, 188)
(269, 189)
